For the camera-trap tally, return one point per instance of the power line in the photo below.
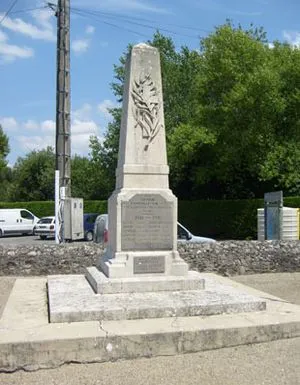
(96, 15)
(9, 9)
(116, 16)
(82, 14)
(29, 9)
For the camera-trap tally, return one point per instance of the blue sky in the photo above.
(28, 56)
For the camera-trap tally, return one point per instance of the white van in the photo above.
(16, 221)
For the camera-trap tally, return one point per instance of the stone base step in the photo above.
(71, 299)
(140, 284)
(29, 342)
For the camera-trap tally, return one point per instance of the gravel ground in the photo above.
(276, 362)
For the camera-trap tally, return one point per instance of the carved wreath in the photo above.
(146, 107)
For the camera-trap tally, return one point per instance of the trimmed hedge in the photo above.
(226, 219)
(40, 209)
(45, 208)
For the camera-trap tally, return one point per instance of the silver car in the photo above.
(45, 228)
(185, 236)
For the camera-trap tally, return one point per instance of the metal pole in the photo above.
(57, 209)
(63, 131)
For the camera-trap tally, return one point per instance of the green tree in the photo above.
(104, 161)
(5, 171)
(88, 180)
(281, 164)
(34, 176)
(4, 148)
(81, 176)
(241, 117)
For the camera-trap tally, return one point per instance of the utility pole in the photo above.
(68, 210)
(63, 126)
(63, 97)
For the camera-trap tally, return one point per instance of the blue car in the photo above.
(88, 225)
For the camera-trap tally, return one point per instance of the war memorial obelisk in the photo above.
(141, 275)
(142, 210)
(141, 299)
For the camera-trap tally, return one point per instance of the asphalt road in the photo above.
(276, 362)
(23, 240)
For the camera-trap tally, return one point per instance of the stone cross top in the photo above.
(142, 210)
(142, 149)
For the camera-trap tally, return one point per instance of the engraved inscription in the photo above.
(147, 265)
(147, 223)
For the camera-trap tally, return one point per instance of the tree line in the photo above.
(232, 118)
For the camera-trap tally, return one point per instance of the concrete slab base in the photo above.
(71, 300)
(28, 341)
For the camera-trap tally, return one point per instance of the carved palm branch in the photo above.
(146, 107)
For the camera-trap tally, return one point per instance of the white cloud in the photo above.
(31, 30)
(44, 30)
(79, 127)
(3, 36)
(81, 132)
(271, 45)
(83, 113)
(35, 134)
(30, 143)
(48, 126)
(10, 52)
(80, 144)
(79, 46)
(90, 30)
(44, 17)
(292, 37)
(9, 124)
(31, 125)
(104, 106)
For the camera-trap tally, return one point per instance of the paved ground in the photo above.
(276, 362)
(24, 240)
(282, 285)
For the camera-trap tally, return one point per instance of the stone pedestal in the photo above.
(142, 235)
(142, 210)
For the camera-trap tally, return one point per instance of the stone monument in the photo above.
(143, 298)
(142, 210)
(141, 274)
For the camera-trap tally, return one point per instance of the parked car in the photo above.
(45, 227)
(101, 229)
(88, 225)
(183, 234)
(16, 221)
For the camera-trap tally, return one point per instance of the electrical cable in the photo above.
(8, 11)
(138, 24)
(116, 16)
(29, 10)
(79, 13)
